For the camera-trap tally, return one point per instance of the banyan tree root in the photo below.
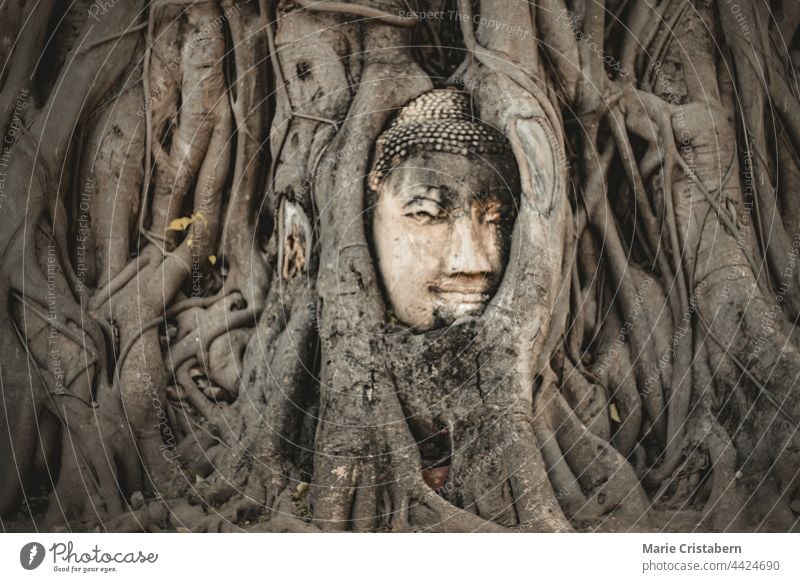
(223, 361)
(37, 177)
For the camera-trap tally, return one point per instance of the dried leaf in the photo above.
(185, 222)
(613, 412)
(180, 223)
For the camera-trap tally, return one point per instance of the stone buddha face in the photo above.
(441, 229)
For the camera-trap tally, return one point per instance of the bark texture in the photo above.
(193, 333)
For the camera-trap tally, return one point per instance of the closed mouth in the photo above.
(462, 295)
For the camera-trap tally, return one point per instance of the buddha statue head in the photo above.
(443, 193)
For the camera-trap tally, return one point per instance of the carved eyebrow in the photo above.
(497, 193)
(429, 194)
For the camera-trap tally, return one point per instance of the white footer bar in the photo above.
(389, 557)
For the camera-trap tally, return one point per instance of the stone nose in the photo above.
(464, 254)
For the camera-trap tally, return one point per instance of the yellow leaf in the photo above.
(180, 223)
(613, 412)
(212, 259)
(184, 222)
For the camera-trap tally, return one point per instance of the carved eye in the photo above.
(424, 211)
(492, 214)
(492, 217)
(424, 216)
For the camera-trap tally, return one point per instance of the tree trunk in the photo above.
(195, 333)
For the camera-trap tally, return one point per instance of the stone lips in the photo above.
(437, 121)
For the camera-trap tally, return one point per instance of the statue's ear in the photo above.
(294, 234)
